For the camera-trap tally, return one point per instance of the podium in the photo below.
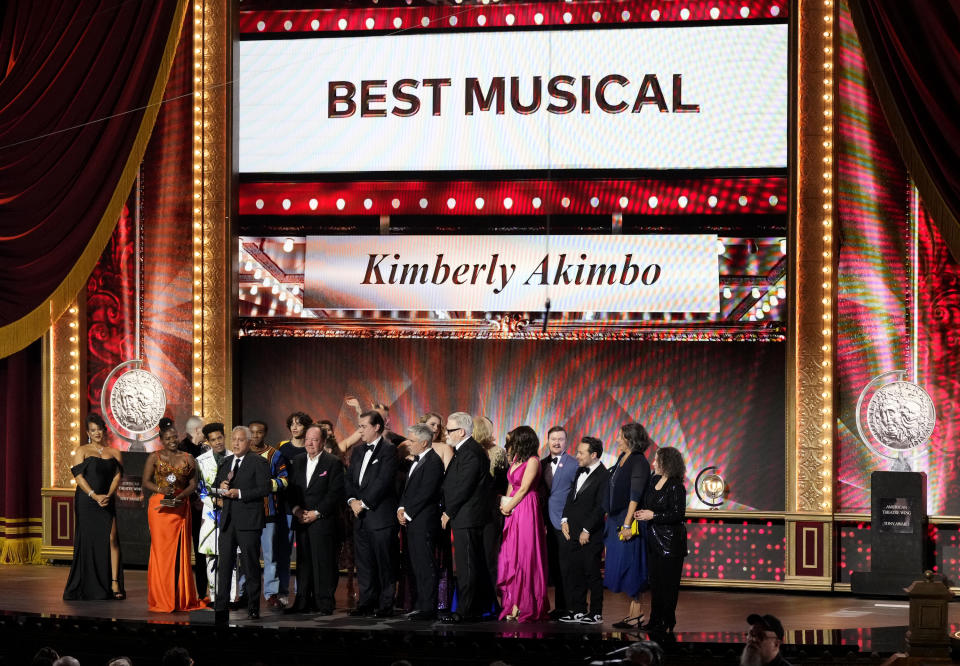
(898, 532)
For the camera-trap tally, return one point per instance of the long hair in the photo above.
(483, 431)
(441, 434)
(524, 443)
(637, 438)
(671, 463)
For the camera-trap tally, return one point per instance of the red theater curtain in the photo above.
(20, 418)
(913, 55)
(80, 86)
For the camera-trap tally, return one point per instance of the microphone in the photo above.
(546, 314)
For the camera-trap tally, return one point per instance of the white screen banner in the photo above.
(665, 273)
(702, 97)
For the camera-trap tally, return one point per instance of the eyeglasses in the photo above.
(453, 429)
(760, 635)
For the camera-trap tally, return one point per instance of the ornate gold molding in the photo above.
(63, 367)
(811, 421)
(212, 358)
(811, 430)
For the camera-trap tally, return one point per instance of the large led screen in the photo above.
(699, 97)
(720, 404)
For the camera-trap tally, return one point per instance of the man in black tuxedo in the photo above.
(372, 492)
(244, 480)
(419, 514)
(315, 491)
(582, 525)
(466, 507)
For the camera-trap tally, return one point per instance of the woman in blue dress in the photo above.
(625, 569)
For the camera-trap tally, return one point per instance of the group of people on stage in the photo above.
(441, 521)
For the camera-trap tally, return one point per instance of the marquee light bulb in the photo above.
(288, 245)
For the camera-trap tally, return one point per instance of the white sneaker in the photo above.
(573, 618)
(596, 618)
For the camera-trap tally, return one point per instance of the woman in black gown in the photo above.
(96, 572)
(664, 510)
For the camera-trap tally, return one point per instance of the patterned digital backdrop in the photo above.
(719, 403)
(874, 325)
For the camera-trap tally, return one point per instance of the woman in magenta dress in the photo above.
(521, 570)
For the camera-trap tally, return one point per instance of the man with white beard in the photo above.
(763, 642)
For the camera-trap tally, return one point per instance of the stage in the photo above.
(709, 621)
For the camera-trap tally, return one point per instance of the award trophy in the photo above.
(710, 487)
(900, 418)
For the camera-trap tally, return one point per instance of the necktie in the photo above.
(234, 470)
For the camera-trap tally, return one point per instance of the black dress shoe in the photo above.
(361, 611)
(452, 618)
(298, 610)
(239, 603)
(383, 612)
(421, 615)
(253, 615)
(325, 611)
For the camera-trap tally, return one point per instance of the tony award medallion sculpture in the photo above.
(137, 402)
(900, 417)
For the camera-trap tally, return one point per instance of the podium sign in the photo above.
(897, 535)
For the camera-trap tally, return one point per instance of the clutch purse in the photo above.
(634, 530)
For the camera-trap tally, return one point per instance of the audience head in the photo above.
(633, 437)
(421, 437)
(589, 451)
(45, 656)
(524, 443)
(459, 427)
(314, 439)
(669, 462)
(435, 422)
(177, 656)
(557, 440)
(169, 437)
(194, 427)
(120, 661)
(297, 424)
(483, 431)
(66, 661)
(240, 440)
(371, 426)
(647, 653)
(258, 431)
(96, 428)
(215, 437)
(763, 640)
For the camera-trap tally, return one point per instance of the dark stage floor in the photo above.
(704, 616)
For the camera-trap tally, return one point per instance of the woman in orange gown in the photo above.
(172, 477)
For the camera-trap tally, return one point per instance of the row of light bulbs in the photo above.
(536, 202)
(827, 286)
(199, 7)
(73, 323)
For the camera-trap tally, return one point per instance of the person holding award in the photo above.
(171, 475)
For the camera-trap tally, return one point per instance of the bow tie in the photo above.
(583, 470)
(554, 460)
(371, 447)
(416, 458)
